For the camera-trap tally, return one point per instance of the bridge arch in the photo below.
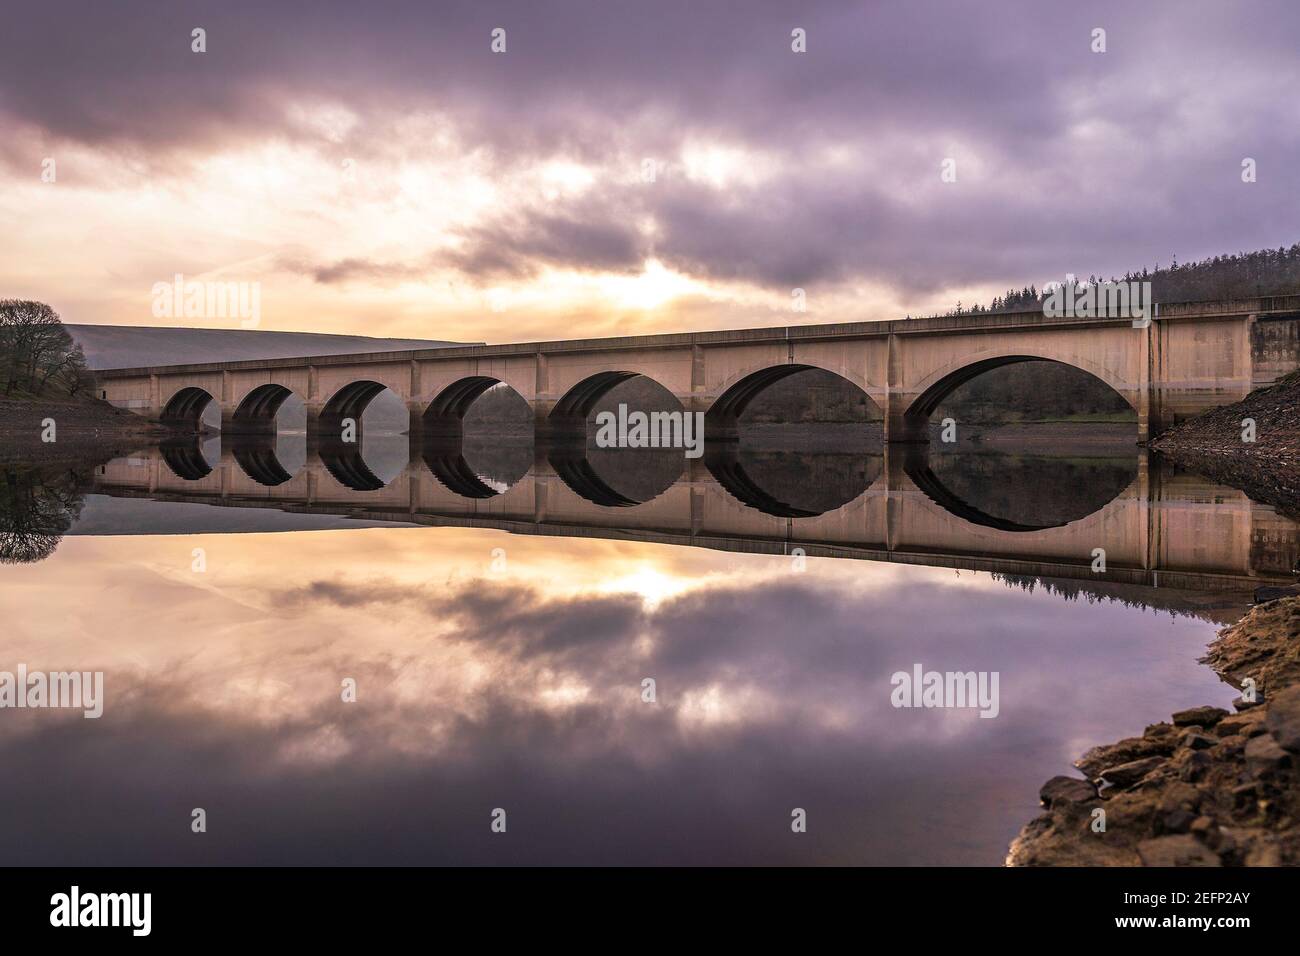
(350, 400)
(723, 416)
(569, 415)
(444, 418)
(256, 411)
(938, 385)
(185, 407)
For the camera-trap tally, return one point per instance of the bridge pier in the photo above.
(326, 428)
(259, 427)
(557, 429)
(902, 428)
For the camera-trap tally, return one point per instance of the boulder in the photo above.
(1063, 790)
(1200, 716)
(1126, 774)
(1263, 755)
(1247, 725)
(1283, 720)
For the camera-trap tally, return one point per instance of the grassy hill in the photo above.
(124, 346)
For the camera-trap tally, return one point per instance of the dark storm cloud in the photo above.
(1068, 160)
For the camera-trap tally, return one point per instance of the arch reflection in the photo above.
(801, 484)
(1019, 492)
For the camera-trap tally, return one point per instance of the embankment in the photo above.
(1206, 788)
(1262, 459)
(81, 429)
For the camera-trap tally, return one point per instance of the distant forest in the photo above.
(1245, 274)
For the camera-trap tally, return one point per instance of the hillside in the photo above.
(125, 346)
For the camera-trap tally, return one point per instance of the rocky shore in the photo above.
(1206, 787)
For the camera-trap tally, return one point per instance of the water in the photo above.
(499, 646)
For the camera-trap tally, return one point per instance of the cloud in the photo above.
(1067, 160)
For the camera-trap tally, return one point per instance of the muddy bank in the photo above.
(82, 430)
(1220, 433)
(1206, 788)
(1268, 468)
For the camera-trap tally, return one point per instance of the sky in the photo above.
(627, 167)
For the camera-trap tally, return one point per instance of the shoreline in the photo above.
(1206, 788)
(82, 429)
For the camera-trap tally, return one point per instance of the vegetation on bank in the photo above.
(1239, 276)
(38, 356)
(44, 376)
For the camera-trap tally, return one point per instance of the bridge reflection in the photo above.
(1017, 515)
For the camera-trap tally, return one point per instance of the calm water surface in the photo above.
(499, 670)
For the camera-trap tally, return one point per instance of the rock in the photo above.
(1242, 704)
(1263, 755)
(1247, 725)
(1179, 796)
(1203, 716)
(1245, 795)
(1231, 747)
(1126, 774)
(1062, 790)
(1180, 850)
(1198, 762)
(1283, 720)
(1207, 788)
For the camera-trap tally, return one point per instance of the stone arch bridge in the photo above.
(1191, 357)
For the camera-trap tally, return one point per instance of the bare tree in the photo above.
(36, 510)
(36, 350)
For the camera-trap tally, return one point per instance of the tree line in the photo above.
(38, 355)
(1237, 276)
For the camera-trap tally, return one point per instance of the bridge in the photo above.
(1163, 530)
(1191, 357)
